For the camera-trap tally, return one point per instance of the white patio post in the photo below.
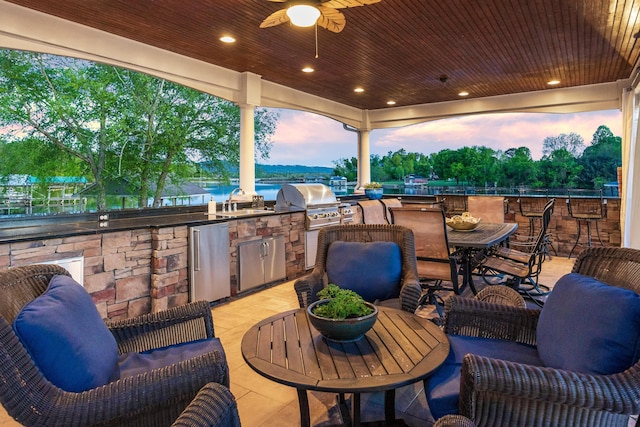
(630, 194)
(249, 99)
(364, 158)
(364, 151)
(247, 149)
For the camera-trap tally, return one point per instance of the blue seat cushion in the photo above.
(371, 269)
(590, 327)
(131, 364)
(66, 337)
(443, 388)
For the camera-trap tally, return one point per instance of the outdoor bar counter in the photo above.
(136, 261)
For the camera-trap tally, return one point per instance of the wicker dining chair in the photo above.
(155, 397)
(501, 295)
(495, 390)
(407, 289)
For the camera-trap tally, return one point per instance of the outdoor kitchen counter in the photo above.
(43, 227)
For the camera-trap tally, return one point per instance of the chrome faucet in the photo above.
(235, 191)
(230, 201)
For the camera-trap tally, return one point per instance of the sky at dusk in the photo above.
(309, 139)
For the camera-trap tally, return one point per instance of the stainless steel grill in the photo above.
(320, 203)
(321, 207)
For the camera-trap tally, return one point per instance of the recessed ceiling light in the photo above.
(391, 102)
(463, 93)
(553, 82)
(358, 90)
(308, 70)
(227, 39)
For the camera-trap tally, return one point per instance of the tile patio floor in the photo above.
(263, 403)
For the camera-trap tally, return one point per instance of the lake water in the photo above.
(221, 193)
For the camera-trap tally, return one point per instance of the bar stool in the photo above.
(586, 206)
(531, 204)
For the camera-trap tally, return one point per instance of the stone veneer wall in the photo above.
(564, 229)
(135, 272)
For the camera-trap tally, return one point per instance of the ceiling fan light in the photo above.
(303, 15)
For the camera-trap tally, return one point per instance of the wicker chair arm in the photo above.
(213, 406)
(562, 393)
(306, 288)
(410, 294)
(188, 322)
(470, 317)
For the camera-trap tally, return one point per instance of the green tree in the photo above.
(560, 169)
(347, 168)
(572, 142)
(601, 159)
(121, 124)
(518, 167)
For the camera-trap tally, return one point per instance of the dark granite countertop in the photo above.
(37, 227)
(26, 229)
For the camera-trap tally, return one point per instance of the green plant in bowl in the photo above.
(372, 185)
(341, 315)
(342, 303)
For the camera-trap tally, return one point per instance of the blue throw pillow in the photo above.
(67, 339)
(371, 269)
(588, 326)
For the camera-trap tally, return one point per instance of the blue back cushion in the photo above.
(67, 339)
(371, 269)
(588, 326)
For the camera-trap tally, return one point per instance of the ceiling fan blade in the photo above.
(342, 4)
(276, 18)
(331, 19)
(278, 1)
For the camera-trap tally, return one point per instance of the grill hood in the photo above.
(304, 196)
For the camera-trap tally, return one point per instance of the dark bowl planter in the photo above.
(351, 329)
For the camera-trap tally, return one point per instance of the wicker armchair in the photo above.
(307, 287)
(497, 392)
(156, 397)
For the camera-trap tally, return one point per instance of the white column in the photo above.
(630, 195)
(247, 151)
(364, 158)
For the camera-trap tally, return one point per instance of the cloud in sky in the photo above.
(313, 140)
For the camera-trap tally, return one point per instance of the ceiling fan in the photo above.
(323, 13)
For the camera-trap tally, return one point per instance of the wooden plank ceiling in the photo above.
(395, 49)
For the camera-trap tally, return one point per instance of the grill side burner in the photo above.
(346, 213)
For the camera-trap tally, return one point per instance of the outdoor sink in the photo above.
(244, 212)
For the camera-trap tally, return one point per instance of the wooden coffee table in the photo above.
(400, 349)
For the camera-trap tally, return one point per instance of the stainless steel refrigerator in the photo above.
(209, 277)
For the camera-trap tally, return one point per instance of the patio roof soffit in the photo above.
(27, 29)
